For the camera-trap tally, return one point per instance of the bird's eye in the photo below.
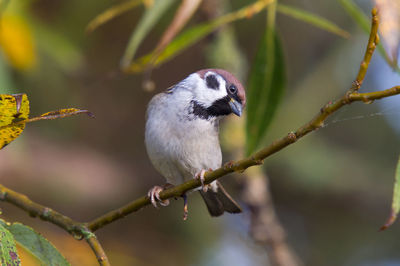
(232, 89)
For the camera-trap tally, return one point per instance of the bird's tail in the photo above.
(220, 201)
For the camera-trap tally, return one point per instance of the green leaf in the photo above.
(396, 199)
(362, 20)
(111, 13)
(36, 244)
(146, 23)
(181, 42)
(194, 34)
(8, 249)
(355, 12)
(264, 90)
(313, 19)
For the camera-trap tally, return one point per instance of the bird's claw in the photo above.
(154, 195)
(200, 176)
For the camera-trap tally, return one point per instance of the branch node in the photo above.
(292, 137)
(258, 162)
(356, 85)
(377, 39)
(3, 195)
(46, 212)
(366, 100)
(374, 12)
(229, 165)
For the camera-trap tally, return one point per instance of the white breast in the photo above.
(180, 146)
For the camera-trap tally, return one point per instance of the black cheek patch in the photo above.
(218, 108)
(212, 82)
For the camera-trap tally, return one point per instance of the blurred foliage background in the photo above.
(331, 190)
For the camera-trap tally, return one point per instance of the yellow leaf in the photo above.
(14, 114)
(17, 43)
(111, 13)
(13, 109)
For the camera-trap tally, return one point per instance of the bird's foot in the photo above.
(200, 176)
(154, 195)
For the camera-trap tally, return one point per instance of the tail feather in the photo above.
(220, 201)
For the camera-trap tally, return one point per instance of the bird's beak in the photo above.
(236, 107)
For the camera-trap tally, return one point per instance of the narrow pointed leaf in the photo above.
(193, 35)
(396, 199)
(146, 23)
(111, 13)
(355, 12)
(312, 19)
(35, 244)
(59, 114)
(8, 249)
(182, 15)
(265, 86)
(264, 95)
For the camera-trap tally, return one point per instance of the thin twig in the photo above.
(372, 43)
(98, 250)
(257, 158)
(43, 212)
(77, 229)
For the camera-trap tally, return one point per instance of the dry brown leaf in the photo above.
(389, 15)
(182, 15)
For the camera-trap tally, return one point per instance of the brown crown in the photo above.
(230, 79)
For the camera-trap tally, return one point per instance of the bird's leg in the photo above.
(154, 195)
(200, 176)
(185, 207)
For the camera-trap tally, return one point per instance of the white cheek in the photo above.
(207, 96)
(201, 93)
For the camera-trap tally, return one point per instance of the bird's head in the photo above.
(216, 92)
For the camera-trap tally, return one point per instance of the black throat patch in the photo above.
(218, 108)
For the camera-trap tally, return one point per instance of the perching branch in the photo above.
(77, 229)
(352, 95)
(86, 229)
(37, 210)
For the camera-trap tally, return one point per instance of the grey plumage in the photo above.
(182, 131)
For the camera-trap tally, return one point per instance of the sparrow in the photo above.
(182, 134)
